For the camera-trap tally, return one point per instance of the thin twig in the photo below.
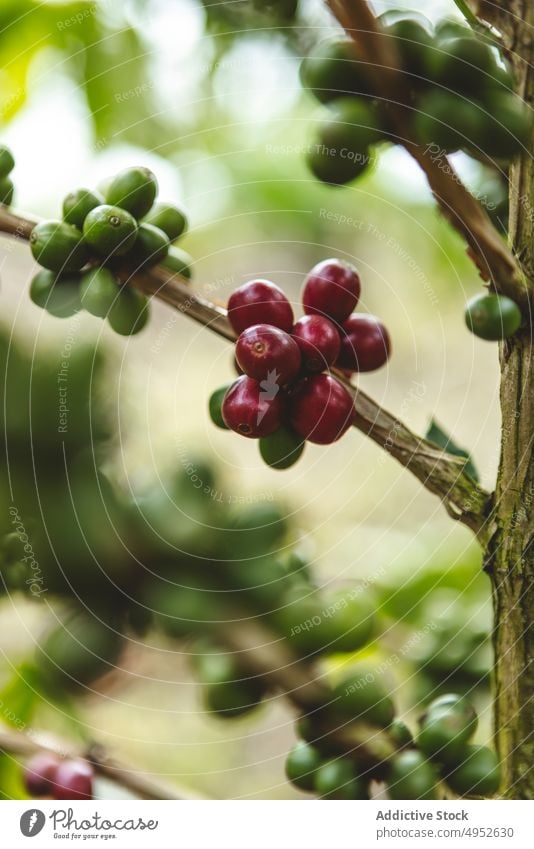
(439, 472)
(21, 744)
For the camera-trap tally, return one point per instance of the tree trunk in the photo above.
(510, 556)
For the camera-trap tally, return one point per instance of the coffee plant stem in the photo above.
(495, 262)
(439, 472)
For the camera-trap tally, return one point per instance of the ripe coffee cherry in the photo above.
(302, 764)
(7, 162)
(492, 317)
(318, 340)
(98, 290)
(337, 779)
(78, 204)
(265, 352)
(110, 230)
(361, 695)
(321, 410)
(150, 247)
(130, 312)
(253, 410)
(171, 219)
(478, 775)
(365, 344)
(215, 406)
(333, 69)
(281, 449)
(331, 289)
(134, 190)
(39, 773)
(259, 302)
(73, 780)
(58, 246)
(412, 777)
(179, 262)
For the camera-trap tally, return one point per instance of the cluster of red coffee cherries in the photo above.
(46, 775)
(284, 396)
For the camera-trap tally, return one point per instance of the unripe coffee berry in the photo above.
(331, 289)
(266, 352)
(365, 344)
(321, 410)
(251, 409)
(259, 302)
(318, 340)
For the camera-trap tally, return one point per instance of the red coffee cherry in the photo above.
(253, 409)
(332, 289)
(73, 780)
(265, 352)
(365, 344)
(39, 773)
(321, 410)
(259, 302)
(318, 340)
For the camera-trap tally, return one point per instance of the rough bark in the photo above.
(510, 555)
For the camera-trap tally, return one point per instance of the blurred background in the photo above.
(207, 95)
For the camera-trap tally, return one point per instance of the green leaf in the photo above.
(443, 440)
(20, 697)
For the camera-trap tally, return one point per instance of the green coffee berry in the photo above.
(171, 219)
(129, 312)
(58, 246)
(78, 204)
(215, 404)
(150, 247)
(302, 764)
(98, 290)
(361, 695)
(110, 230)
(337, 779)
(7, 162)
(281, 449)
(343, 139)
(333, 70)
(492, 317)
(134, 190)
(478, 775)
(446, 728)
(7, 191)
(77, 652)
(58, 294)
(412, 777)
(179, 262)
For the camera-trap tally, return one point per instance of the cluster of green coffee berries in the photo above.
(440, 753)
(121, 230)
(458, 95)
(7, 163)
